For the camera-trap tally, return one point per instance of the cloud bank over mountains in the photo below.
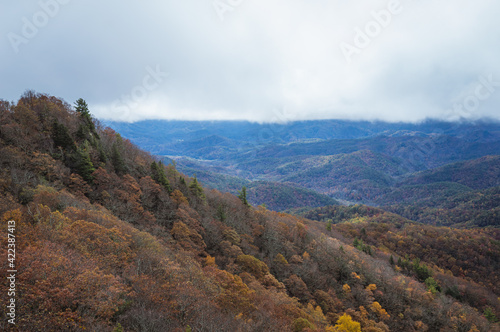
(258, 60)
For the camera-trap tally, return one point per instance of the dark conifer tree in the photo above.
(117, 160)
(243, 196)
(196, 189)
(61, 136)
(159, 175)
(83, 164)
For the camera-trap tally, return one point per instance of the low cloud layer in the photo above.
(258, 60)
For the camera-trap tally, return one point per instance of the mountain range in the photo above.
(380, 164)
(105, 236)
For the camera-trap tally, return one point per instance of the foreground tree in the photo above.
(243, 196)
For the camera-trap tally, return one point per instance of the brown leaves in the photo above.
(252, 265)
(110, 247)
(188, 239)
(101, 294)
(234, 296)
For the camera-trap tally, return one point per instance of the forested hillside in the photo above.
(473, 254)
(465, 208)
(375, 163)
(111, 239)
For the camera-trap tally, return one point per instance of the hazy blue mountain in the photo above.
(367, 162)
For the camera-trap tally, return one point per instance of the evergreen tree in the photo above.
(102, 155)
(182, 181)
(196, 189)
(83, 164)
(154, 170)
(358, 244)
(117, 160)
(490, 315)
(158, 172)
(87, 127)
(391, 260)
(421, 270)
(432, 285)
(82, 108)
(243, 196)
(61, 136)
(221, 214)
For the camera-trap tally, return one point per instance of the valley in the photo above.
(113, 238)
(401, 167)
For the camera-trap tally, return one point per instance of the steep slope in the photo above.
(447, 250)
(109, 239)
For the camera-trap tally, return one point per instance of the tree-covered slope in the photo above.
(479, 173)
(110, 239)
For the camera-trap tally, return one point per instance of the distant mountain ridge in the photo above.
(477, 174)
(156, 135)
(374, 163)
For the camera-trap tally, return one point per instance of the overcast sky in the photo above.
(258, 60)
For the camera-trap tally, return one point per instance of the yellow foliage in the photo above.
(364, 313)
(280, 259)
(15, 215)
(210, 261)
(316, 314)
(355, 276)
(371, 287)
(346, 324)
(306, 255)
(346, 288)
(377, 308)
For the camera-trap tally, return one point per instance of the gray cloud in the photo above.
(265, 60)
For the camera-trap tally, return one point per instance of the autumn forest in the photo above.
(112, 238)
